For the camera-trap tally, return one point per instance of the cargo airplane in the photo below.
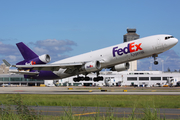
(116, 58)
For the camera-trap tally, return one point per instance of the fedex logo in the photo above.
(90, 66)
(131, 47)
(31, 63)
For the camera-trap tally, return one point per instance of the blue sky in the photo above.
(79, 26)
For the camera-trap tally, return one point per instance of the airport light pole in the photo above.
(162, 65)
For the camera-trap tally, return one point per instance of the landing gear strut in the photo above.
(81, 78)
(98, 78)
(154, 56)
(86, 78)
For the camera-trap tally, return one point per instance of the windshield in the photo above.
(168, 37)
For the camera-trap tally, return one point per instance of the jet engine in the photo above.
(120, 67)
(43, 59)
(92, 66)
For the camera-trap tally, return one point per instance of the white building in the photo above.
(125, 78)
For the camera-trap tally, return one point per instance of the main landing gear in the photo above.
(154, 56)
(81, 78)
(98, 78)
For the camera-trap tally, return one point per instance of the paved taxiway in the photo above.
(103, 111)
(84, 91)
(93, 93)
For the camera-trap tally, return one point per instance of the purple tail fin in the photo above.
(26, 52)
(30, 57)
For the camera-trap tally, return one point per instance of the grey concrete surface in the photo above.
(89, 90)
(104, 111)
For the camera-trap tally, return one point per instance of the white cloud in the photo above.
(12, 58)
(54, 42)
(54, 48)
(40, 50)
(59, 55)
(6, 49)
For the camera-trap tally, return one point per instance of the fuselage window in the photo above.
(168, 37)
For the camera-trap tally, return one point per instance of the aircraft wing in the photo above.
(70, 67)
(49, 67)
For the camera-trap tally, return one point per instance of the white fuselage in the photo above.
(123, 53)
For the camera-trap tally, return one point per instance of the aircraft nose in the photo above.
(175, 41)
(171, 43)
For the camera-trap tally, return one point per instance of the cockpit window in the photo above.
(168, 37)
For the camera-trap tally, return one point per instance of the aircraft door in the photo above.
(159, 44)
(159, 41)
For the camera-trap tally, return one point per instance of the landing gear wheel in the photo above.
(154, 56)
(155, 62)
(87, 78)
(99, 78)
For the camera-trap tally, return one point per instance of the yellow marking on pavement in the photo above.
(85, 114)
(124, 90)
(124, 113)
(90, 113)
(153, 91)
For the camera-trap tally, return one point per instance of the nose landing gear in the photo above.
(154, 56)
(155, 62)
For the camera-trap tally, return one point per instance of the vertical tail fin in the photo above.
(26, 52)
(30, 57)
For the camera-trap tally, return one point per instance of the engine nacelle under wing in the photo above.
(92, 66)
(120, 67)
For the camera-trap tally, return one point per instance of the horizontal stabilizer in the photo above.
(24, 72)
(6, 63)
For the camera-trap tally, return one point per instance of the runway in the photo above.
(93, 93)
(87, 91)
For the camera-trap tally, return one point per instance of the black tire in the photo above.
(155, 62)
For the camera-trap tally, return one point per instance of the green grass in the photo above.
(138, 101)
(22, 112)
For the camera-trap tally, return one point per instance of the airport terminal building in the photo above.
(7, 79)
(18, 80)
(125, 78)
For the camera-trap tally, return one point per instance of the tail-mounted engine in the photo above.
(91, 66)
(120, 67)
(43, 59)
